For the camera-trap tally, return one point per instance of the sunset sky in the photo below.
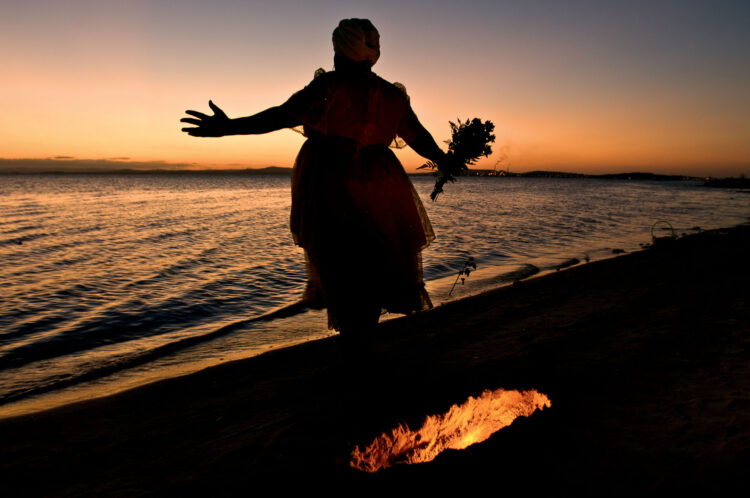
(586, 86)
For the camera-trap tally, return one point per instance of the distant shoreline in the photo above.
(609, 176)
(271, 170)
(63, 165)
(728, 182)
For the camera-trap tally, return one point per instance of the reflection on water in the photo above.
(104, 273)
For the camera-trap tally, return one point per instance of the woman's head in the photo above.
(356, 40)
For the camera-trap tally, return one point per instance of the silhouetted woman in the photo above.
(354, 210)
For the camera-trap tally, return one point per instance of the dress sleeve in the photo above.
(410, 127)
(311, 104)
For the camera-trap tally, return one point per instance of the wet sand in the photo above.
(645, 357)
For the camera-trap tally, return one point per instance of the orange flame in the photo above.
(472, 422)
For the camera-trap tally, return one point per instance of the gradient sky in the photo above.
(585, 86)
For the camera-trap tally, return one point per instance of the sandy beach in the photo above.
(645, 358)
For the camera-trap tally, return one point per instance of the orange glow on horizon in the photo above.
(563, 95)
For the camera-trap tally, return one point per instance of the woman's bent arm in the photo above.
(425, 146)
(220, 125)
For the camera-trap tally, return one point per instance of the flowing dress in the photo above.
(354, 209)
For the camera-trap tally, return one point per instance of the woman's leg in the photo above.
(357, 326)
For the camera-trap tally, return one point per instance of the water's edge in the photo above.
(112, 380)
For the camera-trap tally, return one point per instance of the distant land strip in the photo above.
(120, 167)
(740, 182)
(123, 167)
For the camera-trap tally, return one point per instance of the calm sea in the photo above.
(111, 281)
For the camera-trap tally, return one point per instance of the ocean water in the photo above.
(111, 281)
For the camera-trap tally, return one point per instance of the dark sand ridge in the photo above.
(646, 358)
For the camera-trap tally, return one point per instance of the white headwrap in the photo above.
(357, 39)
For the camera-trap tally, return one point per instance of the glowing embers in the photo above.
(472, 422)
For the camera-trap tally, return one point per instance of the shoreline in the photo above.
(644, 356)
(119, 378)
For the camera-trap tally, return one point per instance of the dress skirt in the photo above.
(362, 226)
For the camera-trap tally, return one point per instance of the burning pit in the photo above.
(463, 425)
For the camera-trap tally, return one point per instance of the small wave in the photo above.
(21, 229)
(567, 263)
(131, 360)
(525, 271)
(71, 261)
(20, 240)
(150, 312)
(159, 237)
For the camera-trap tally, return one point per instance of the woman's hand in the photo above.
(217, 125)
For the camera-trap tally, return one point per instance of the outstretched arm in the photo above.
(220, 125)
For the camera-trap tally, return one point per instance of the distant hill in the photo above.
(741, 182)
(110, 166)
(562, 174)
(65, 165)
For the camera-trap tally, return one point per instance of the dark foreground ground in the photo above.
(646, 359)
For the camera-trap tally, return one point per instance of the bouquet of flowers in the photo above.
(470, 140)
